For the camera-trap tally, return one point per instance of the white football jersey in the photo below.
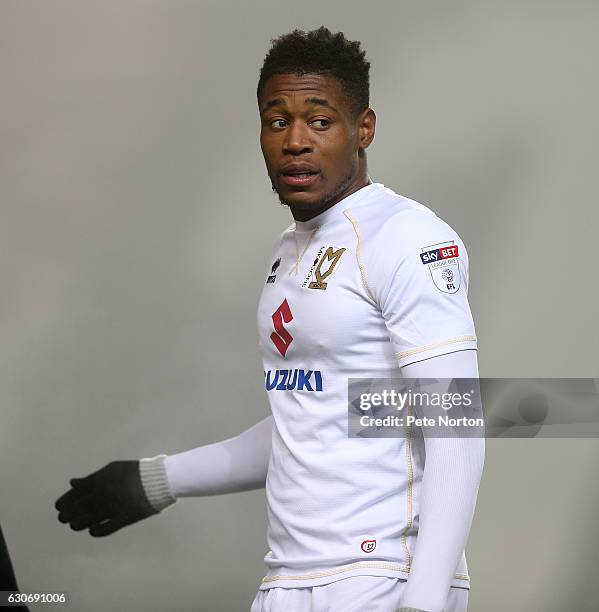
(374, 283)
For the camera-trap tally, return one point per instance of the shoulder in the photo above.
(394, 226)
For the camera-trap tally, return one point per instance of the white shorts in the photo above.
(355, 594)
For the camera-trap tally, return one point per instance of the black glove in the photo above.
(106, 500)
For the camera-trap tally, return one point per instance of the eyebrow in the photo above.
(312, 100)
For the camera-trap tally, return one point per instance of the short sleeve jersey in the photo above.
(376, 282)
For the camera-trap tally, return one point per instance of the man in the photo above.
(353, 523)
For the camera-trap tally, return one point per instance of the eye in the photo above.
(272, 123)
(324, 123)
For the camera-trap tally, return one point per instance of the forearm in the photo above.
(452, 472)
(448, 496)
(236, 464)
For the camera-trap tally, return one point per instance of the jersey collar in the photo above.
(357, 198)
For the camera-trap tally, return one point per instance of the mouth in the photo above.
(300, 179)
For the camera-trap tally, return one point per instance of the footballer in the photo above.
(351, 289)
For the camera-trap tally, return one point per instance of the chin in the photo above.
(301, 198)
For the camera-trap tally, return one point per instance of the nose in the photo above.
(297, 139)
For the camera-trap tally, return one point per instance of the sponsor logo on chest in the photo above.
(293, 380)
(288, 379)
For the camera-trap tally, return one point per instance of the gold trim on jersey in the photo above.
(410, 491)
(435, 345)
(386, 565)
(359, 253)
(300, 256)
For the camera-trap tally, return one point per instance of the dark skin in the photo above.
(308, 118)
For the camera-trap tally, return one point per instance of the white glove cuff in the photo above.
(155, 482)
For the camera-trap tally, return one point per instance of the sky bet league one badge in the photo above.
(443, 264)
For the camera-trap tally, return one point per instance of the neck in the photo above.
(307, 212)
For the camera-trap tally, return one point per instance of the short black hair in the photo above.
(321, 52)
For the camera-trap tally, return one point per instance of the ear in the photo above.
(366, 122)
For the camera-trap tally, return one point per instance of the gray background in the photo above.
(137, 221)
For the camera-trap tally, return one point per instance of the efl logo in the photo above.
(368, 546)
(281, 337)
(439, 254)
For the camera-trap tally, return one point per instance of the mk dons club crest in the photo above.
(324, 265)
(368, 546)
(443, 264)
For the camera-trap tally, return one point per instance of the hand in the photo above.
(106, 500)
